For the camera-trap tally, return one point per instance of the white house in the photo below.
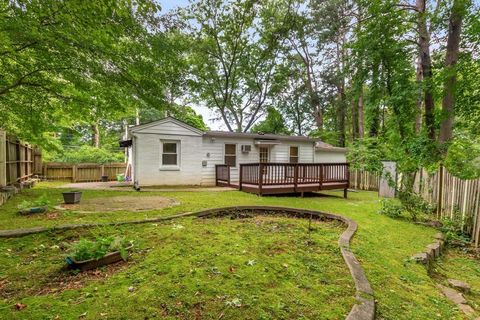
(170, 152)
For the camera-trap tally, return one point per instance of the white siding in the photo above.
(216, 148)
(330, 156)
(281, 153)
(147, 155)
(167, 127)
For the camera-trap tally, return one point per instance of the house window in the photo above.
(170, 153)
(231, 154)
(293, 154)
(263, 154)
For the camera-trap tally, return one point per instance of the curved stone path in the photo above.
(364, 309)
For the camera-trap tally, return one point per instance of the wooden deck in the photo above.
(278, 178)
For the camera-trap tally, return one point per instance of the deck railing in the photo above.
(222, 174)
(269, 174)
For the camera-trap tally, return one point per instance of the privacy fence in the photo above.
(453, 197)
(85, 172)
(19, 161)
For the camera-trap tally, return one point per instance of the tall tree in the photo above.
(426, 66)
(236, 57)
(458, 11)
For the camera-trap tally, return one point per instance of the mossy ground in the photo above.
(184, 272)
(461, 265)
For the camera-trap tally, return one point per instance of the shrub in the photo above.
(415, 205)
(452, 229)
(42, 201)
(89, 154)
(391, 208)
(86, 249)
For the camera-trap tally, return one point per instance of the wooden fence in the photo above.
(85, 172)
(453, 197)
(363, 180)
(18, 161)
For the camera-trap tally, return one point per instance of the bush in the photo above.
(391, 208)
(452, 229)
(87, 249)
(89, 154)
(415, 205)
(42, 201)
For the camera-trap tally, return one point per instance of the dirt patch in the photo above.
(121, 203)
(68, 280)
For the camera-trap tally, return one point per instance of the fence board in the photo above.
(17, 160)
(3, 159)
(85, 172)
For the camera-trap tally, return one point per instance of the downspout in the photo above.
(136, 183)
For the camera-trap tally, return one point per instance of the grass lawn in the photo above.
(184, 271)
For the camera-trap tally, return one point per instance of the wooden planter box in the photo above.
(72, 197)
(33, 210)
(85, 265)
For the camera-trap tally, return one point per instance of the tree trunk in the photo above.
(315, 103)
(95, 135)
(451, 58)
(419, 103)
(341, 116)
(426, 62)
(361, 116)
(354, 119)
(318, 116)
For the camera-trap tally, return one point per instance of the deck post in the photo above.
(240, 178)
(348, 180)
(216, 175)
(295, 177)
(321, 177)
(228, 175)
(260, 178)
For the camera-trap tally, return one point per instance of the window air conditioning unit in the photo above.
(246, 148)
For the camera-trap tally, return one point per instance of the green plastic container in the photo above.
(120, 177)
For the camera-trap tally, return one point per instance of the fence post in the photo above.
(74, 173)
(3, 158)
(440, 192)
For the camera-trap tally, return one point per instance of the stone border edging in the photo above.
(12, 233)
(364, 309)
(431, 252)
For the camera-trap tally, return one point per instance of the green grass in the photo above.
(403, 289)
(253, 268)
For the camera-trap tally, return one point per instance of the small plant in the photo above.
(391, 208)
(42, 201)
(87, 249)
(415, 205)
(453, 231)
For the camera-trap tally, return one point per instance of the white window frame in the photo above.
(170, 167)
(290, 153)
(236, 153)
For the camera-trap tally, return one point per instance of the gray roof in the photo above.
(260, 136)
(323, 146)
